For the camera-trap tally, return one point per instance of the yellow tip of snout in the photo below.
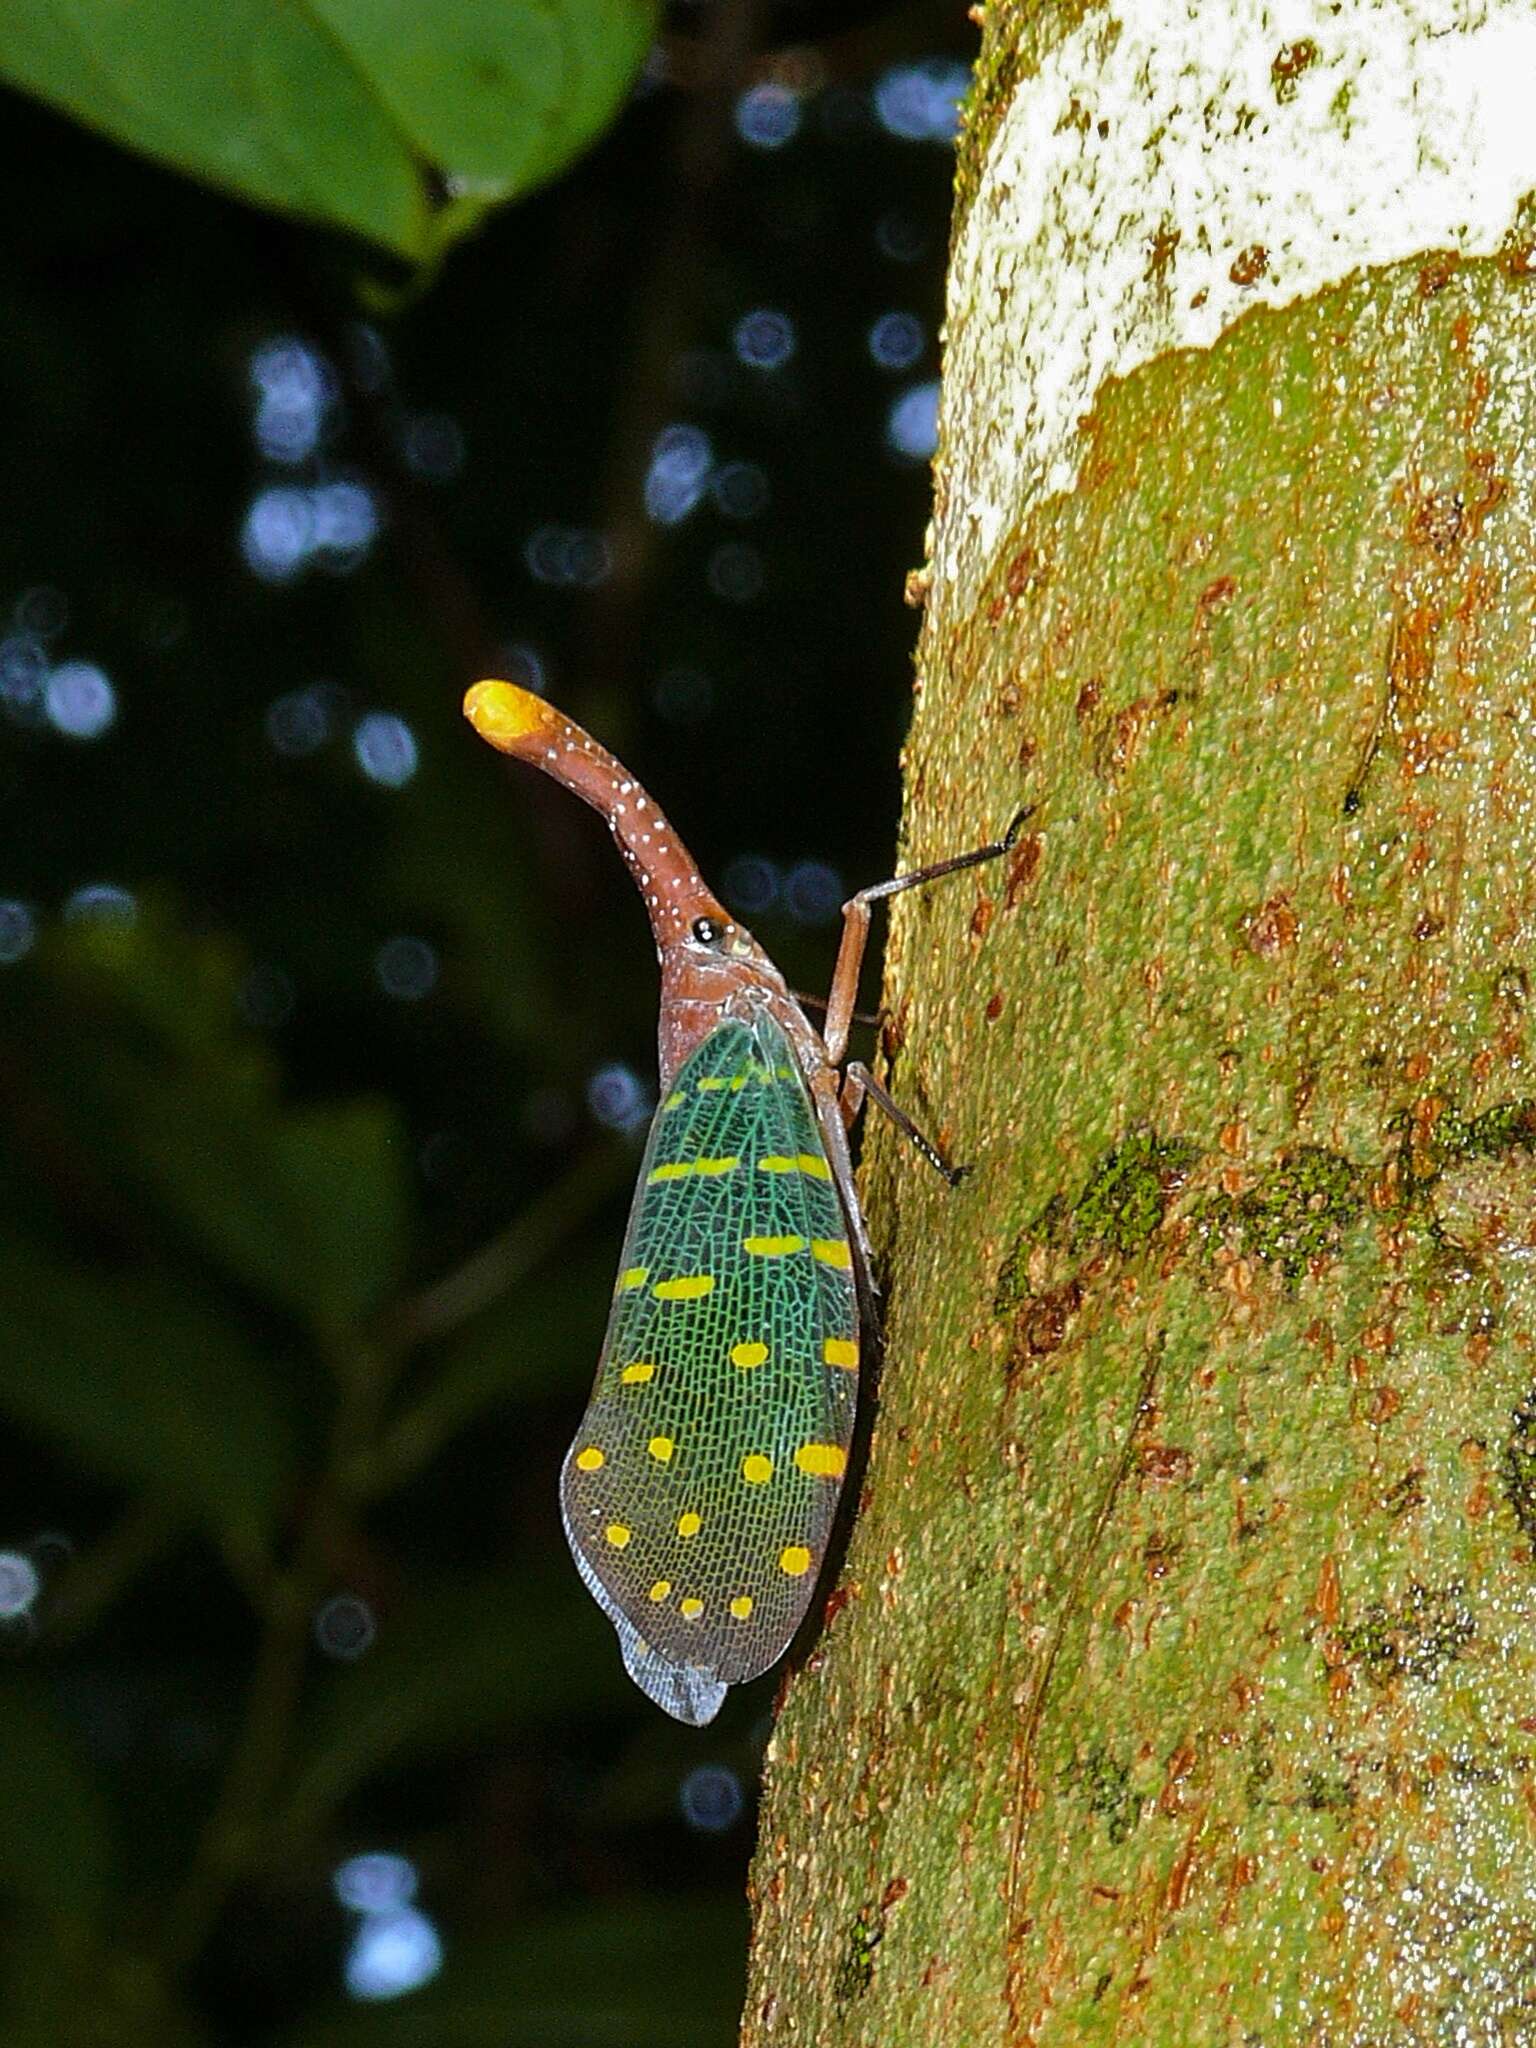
(503, 714)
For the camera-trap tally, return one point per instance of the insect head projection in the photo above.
(699, 1493)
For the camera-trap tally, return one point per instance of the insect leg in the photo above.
(850, 953)
(833, 1116)
(858, 1082)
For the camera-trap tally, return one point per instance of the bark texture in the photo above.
(1180, 1684)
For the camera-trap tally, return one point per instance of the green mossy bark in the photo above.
(1182, 1683)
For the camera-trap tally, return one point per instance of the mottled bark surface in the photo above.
(1181, 1685)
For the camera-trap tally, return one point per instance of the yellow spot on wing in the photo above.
(675, 1100)
(591, 1459)
(637, 1374)
(832, 1251)
(809, 1163)
(680, 1169)
(660, 1590)
(756, 1469)
(822, 1461)
(689, 1524)
(839, 1351)
(661, 1449)
(631, 1278)
(711, 1084)
(772, 1247)
(617, 1534)
(795, 1561)
(748, 1354)
(741, 1606)
(690, 1609)
(690, 1288)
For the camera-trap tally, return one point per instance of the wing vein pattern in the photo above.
(699, 1493)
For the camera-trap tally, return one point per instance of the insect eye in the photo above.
(706, 931)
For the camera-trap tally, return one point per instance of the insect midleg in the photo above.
(834, 1120)
(850, 953)
(859, 1081)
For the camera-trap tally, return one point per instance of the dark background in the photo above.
(327, 1039)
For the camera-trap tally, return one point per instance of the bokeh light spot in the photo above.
(739, 490)
(764, 339)
(912, 424)
(346, 520)
(813, 892)
(23, 673)
(899, 236)
(294, 386)
(18, 931)
(711, 1799)
(617, 1098)
(385, 749)
(266, 998)
(432, 446)
(570, 556)
(19, 1585)
(896, 340)
(376, 1882)
(921, 102)
(735, 572)
(522, 663)
(406, 968)
(750, 884)
(681, 459)
(43, 610)
(81, 702)
(299, 722)
(768, 116)
(279, 533)
(101, 903)
(344, 1627)
(392, 1953)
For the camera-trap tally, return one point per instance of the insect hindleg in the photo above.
(859, 1081)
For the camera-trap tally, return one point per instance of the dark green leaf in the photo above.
(541, 1338)
(361, 114)
(463, 1658)
(151, 1387)
(64, 1982)
(54, 1843)
(308, 1206)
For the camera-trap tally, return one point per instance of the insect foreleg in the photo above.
(850, 953)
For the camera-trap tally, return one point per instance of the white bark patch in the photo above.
(1171, 165)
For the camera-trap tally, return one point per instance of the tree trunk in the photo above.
(1182, 1684)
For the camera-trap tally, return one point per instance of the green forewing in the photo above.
(700, 1490)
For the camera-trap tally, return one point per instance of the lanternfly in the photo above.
(699, 1493)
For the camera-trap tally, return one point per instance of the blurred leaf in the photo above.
(308, 1206)
(463, 1658)
(362, 114)
(543, 1337)
(64, 1985)
(668, 1973)
(54, 1842)
(151, 1387)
